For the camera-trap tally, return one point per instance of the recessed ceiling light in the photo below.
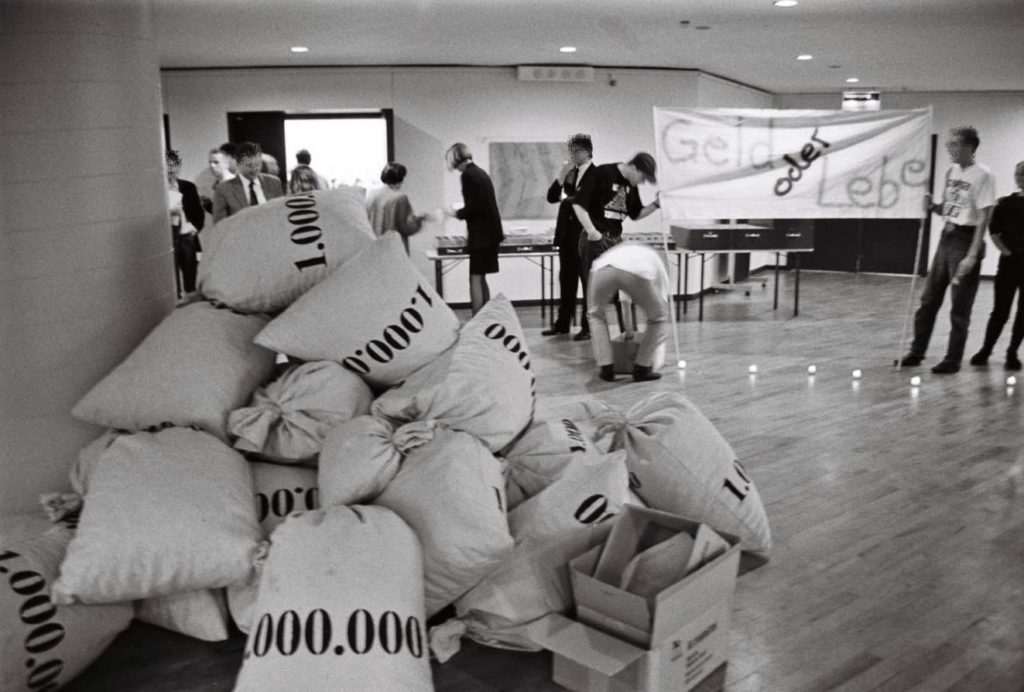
(785, 3)
(568, 49)
(805, 56)
(300, 49)
(852, 80)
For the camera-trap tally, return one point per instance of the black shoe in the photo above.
(980, 358)
(911, 360)
(643, 373)
(582, 336)
(607, 373)
(1012, 362)
(946, 367)
(557, 329)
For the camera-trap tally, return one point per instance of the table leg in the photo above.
(686, 281)
(438, 277)
(551, 289)
(700, 290)
(775, 303)
(796, 285)
(679, 277)
(543, 296)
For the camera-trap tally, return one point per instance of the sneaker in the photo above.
(980, 358)
(643, 373)
(911, 360)
(946, 367)
(557, 329)
(1012, 362)
(607, 373)
(582, 336)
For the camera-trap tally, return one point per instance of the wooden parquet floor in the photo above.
(897, 512)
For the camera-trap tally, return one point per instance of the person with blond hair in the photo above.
(483, 221)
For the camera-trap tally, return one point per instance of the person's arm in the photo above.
(649, 209)
(555, 192)
(997, 225)
(585, 196)
(220, 205)
(193, 207)
(968, 263)
(408, 222)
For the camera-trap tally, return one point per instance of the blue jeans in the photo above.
(953, 247)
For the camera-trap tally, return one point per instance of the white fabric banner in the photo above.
(739, 163)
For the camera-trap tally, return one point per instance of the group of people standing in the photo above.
(968, 207)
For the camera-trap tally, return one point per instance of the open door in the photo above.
(266, 128)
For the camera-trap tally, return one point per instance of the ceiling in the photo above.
(892, 45)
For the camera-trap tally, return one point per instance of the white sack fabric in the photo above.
(679, 463)
(165, 512)
(287, 420)
(376, 315)
(43, 646)
(340, 607)
(539, 456)
(359, 458)
(263, 258)
(451, 492)
(202, 614)
(562, 521)
(484, 385)
(194, 368)
(281, 490)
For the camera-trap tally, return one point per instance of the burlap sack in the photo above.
(340, 606)
(484, 385)
(450, 491)
(539, 456)
(679, 463)
(562, 521)
(376, 315)
(165, 512)
(194, 368)
(361, 457)
(43, 646)
(263, 258)
(286, 421)
(281, 490)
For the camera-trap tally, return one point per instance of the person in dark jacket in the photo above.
(483, 222)
(1007, 231)
(567, 231)
(187, 219)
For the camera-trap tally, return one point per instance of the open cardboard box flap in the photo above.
(631, 615)
(596, 650)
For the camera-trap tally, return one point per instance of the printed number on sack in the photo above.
(37, 612)
(288, 634)
(282, 502)
(303, 216)
(395, 337)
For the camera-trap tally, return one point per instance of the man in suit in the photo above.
(187, 219)
(567, 232)
(249, 188)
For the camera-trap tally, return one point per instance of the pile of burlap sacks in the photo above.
(394, 468)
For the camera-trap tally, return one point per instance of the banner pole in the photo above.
(917, 258)
(671, 306)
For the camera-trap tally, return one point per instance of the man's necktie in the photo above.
(252, 194)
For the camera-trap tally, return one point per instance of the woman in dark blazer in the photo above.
(483, 222)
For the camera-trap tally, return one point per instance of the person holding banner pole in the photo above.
(966, 207)
(1007, 232)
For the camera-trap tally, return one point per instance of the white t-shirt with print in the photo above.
(968, 191)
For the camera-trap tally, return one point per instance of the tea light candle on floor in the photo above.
(856, 374)
(811, 369)
(681, 365)
(752, 369)
(1010, 381)
(915, 381)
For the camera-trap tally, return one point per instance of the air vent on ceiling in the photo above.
(554, 73)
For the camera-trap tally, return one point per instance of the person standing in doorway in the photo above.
(249, 188)
(1007, 232)
(483, 222)
(567, 232)
(966, 206)
(187, 219)
(602, 203)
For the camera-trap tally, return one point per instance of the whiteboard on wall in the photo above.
(521, 173)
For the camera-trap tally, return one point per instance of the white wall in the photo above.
(998, 116)
(435, 107)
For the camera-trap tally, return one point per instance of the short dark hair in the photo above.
(303, 157)
(968, 134)
(393, 173)
(172, 157)
(581, 141)
(247, 150)
(229, 148)
(644, 163)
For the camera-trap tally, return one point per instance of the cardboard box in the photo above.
(621, 641)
